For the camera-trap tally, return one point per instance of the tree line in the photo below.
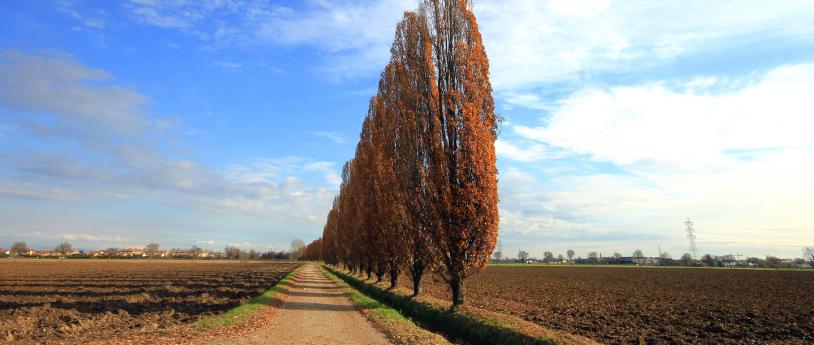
(421, 191)
(664, 259)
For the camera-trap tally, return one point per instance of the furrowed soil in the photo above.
(650, 305)
(83, 300)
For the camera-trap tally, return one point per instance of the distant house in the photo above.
(629, 260)
(130, 252)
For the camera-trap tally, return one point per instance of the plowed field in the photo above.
(651, 305)
(52, 300)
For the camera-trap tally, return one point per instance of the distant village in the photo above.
(150, 251)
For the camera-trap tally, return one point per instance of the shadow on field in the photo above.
(313, 294)
(316, 306)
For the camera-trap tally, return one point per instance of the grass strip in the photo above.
(243, 311)
(398, 328)
(472, 328)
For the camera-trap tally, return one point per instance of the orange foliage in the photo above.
(421, 191)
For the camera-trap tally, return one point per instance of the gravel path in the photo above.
(315, 311)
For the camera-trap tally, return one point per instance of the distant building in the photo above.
(629, 260)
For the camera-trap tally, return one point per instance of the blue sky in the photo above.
(219, 123)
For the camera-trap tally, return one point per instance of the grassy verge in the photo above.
(399, 329)
(474, 327)
(243, 311)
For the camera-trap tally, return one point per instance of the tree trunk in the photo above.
(417, 271)
(456, 285)
(379, 273)
(369, 270)
(394, 276)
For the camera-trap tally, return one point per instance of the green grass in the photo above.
(472, 328)
(362, 301)
(243, 311)
(401, 330)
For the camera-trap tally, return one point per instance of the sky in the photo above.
(216, 123)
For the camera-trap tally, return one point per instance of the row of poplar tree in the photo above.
(421, 192)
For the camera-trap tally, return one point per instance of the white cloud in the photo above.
(532, 42)
(333, 180)
(529, 42)
(653, 123)
(83, 139)
(91, 18)
(152, 16)
(525, 152)
(332, 27)
(735, 155)
(229, 66)
(319, 166)
(61, 86)
(336, 137)
(357, 35)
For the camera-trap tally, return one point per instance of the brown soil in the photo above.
(80, 301)
(648, 305)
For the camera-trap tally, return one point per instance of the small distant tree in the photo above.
(497, 254)
(593, 257)
(799, 262)
(151, 249)
(616, 258)
(637, 254)
(708, 260)
(665, 259)
(253, 254)
(773, 261)
(548, 256)
(523, 255)
(560, 258)
(686, 259)
(297, 248)
(63, 248)
(231, 252)
(18, 248)
(728, 260)
(808, 254)
(570, 254)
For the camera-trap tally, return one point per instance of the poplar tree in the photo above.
(462, 131)
(421, 190)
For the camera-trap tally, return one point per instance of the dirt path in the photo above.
(315, 311)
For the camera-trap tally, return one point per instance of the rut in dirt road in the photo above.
(316, 311)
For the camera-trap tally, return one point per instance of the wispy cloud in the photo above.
(90, 17)
(534, 42)
(336, 137)
(229, 66)
(86, 137)
(530, 42)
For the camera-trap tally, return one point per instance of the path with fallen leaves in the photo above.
(315, 311)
